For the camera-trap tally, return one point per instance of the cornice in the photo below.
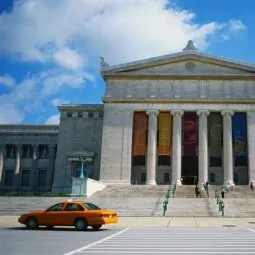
(178, 76)
(29, 129)
(178, 100)
(80, 107)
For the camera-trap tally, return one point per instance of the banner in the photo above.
(190, 133)
(239, 135)
(215, 134)
(165, 134)
(140, 134)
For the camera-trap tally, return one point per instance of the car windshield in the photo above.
(90, 206)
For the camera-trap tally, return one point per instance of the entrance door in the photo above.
(189, 170)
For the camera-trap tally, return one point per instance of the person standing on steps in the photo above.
(222, 192)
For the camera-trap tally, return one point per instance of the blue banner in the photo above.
(239, 135)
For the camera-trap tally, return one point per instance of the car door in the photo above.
(69, 213)
(51, 215)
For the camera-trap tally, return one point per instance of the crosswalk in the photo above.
(174, 241)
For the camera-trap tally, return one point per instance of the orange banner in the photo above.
(165, 134)
(139, 134)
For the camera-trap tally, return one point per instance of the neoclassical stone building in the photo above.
(186, 115)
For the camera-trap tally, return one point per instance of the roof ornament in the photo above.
(190, 46)
(103, 63)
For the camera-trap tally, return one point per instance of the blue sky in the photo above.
(49, 50)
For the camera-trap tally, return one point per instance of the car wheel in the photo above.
(81, 224)
(50, 226)
(96, 227)
(32, 223)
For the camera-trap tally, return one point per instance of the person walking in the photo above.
(251, 186)
(197, 192)
(222, 192)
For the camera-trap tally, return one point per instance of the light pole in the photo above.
(83, 178)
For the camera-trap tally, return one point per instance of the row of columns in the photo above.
(177, 146)
(33, 173)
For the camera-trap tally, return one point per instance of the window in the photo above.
(90, 114)
(143, 177)
(69, 115)
(91, 206)
(101, 114)
(241, 161)
(73, 207)
(80, 114)
(212, 177)
(8, 178)
(166, 177)
(163, 161)
(77, 169)
(139, 160)
(27, 151)
(25, 174)
(43, 151)
(10, 151)
(41, 180)
(235, 177)
(56, 208)
(215, 161)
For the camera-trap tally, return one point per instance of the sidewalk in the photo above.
(161, 222)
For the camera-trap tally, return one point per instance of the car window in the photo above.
(91, 206)
(73, 207)
(56, 207)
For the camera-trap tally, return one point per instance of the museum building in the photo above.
(182, 117)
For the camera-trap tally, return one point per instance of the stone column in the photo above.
(227, 146)
(33, 175)
(177, 146)
(251, 145)
(50, 169)
(1, 163)
(203, 146)
(152, 147)
(16, 176)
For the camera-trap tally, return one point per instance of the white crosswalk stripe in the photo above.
(175, 241)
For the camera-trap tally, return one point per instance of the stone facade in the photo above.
(188, 81)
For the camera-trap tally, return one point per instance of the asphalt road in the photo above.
(19, 241)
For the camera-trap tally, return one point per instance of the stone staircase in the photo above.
(135, 200)
(146, 200)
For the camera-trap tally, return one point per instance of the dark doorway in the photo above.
(189, 170)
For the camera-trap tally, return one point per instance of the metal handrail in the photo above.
(167, 196)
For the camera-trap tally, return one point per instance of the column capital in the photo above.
(227, 112)
(177, 112)
(152, 111)
(203, 112)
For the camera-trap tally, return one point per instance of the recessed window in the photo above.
(241, 161)
(163, 160)
(27, 151)
(215, 161)
(41, 180)
(8, 178)
(139, 160)
(25, 178)
(80, 114)
(43, 151)
(90, 114)
(101, 114)
(10, 151)
(212, 177)
(69, 114)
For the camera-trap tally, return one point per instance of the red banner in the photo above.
(190, 133)
(140, 134)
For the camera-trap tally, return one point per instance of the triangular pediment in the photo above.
(183, 63)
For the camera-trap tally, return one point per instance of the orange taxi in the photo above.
(80, 214)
